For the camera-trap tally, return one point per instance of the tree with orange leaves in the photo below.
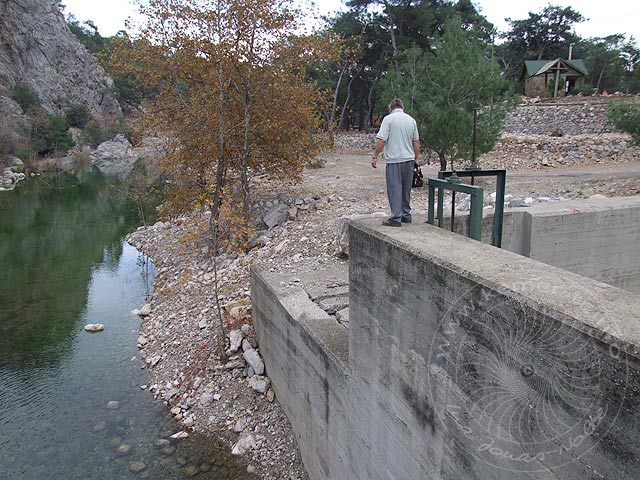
(233, 96)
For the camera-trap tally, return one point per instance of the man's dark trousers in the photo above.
(399, 180)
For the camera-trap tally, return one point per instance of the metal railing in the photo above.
(501, 181)
(446, 181)
(453, 184)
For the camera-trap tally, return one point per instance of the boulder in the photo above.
(94, 327)
(235, 340)
(244, 445)
(276, 216)
(253, 359)
(114, 157)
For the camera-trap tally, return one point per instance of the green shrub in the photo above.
(626, 117)
(92, 134)
(7, 144)
(77, 116)
(25, 96)
(50, 135)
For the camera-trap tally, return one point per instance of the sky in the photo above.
(604, 17)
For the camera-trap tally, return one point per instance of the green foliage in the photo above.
(442, 90)
(611, 62)
(87, 33)
(545, 34)
(127, 90)
(380, 31)
(586, 90)
(92, 134)
(58, 136)
(26, 97)
(6, 145)
(49, 135)
(77, 116)
(626, 117)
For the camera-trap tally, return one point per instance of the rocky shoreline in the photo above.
(233, 400)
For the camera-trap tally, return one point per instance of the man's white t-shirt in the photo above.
(398, 130)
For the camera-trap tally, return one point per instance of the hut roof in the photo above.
(575, 68)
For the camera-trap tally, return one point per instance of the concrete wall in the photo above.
(598, 238)
(306, 354)
(464, 362)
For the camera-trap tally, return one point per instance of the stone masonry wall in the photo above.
(577, 117)
(574, 131)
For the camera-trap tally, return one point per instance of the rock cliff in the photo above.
(38, 49)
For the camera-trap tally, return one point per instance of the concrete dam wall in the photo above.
(461, 361)
(598, 238)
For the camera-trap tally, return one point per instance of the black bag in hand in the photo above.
(417, 177)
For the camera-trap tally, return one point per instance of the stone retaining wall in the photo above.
(575, 131)
(587, 117)
(539, 151)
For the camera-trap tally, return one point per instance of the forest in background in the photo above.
(376, 34)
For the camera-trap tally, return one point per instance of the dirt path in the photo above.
(349, 175)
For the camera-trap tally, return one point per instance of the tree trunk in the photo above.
(335, 98)
(443, 161)
(346, 102)
(600, 78)
(245, 156)
(371, 104)
(215, 208)
(392, 35)
(244, 177)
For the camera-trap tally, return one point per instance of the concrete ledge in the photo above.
(598, 309)
(306, 354)
(597, 238)
(491, 362)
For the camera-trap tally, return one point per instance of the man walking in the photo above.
(398, 138)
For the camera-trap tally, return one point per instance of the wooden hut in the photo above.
(552, 78)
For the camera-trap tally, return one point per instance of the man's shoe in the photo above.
(406, 220)
(389, 223)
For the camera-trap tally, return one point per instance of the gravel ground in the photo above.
(180, 332)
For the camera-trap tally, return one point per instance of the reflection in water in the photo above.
(63, 265)
(50, 240)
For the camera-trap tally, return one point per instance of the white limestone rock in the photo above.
(253, 359)
(94, 327)
(244, 445)
(235, 340)
(114, 157)
(260, 384)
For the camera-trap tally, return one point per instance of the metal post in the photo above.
(473, 140)
(475, 215)
(431, 206)
(477, 194)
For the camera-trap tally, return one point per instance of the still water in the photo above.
(63, 264)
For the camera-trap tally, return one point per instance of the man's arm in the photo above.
(377, 152)
(416, 151)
